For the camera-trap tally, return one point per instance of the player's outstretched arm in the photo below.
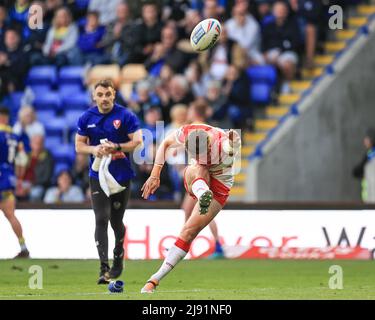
(153, 182)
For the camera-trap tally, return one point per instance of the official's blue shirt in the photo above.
(115, 126)
(9, 142)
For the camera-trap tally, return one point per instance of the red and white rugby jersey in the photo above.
(220, 164)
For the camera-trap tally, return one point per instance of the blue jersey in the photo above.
(114, 126)
(9, 143)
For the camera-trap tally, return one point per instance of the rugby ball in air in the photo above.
(205, 34)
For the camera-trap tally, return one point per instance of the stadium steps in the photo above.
(308, 74)
(345, 35)
(356, 22)
(366, 10)
(275, 112)
(288, 99)
(334, 46)
(299, 86)
(264, 125)
(323, 60)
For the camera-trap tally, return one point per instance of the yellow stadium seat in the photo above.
(100, 72)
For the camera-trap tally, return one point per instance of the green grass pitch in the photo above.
(198, 279)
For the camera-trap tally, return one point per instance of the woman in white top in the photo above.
(28, 123)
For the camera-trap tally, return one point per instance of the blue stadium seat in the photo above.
(260, 93)
(59, 167)
(69, 89)
(13, 102)
(262, 74)
(64, 153)
(45, 116)
(79, 101)
(42, 75)
(71, 75)
(82, 4)
(56, 127)
(51, 142)
(71, 118)
(40, 89)
(47, 101)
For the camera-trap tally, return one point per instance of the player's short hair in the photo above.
(4, 111)
(197, 142)
(106, 83)
(200, 107)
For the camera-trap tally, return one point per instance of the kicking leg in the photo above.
(178, 251)
(8, 206)
(197, 180)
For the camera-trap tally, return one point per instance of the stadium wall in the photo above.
(311, 156)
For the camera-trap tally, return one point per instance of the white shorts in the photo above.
(282, 57)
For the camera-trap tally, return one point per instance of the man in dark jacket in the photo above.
(281, 40)
(147, 32)
(13, 63)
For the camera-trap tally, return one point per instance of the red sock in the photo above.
(182, 245)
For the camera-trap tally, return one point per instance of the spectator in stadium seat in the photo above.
(211, 9)
(162, 83)
(13, 63)
(217, 99)
(151, 117)
(225, 53)
(237, 89)
(34, 43)
(143, 99)
(308, 13)
(4, 23)
(194, 75)
(192, 18)
(28, 123)
(263, 11)
(89, 48)
(179, 93)
(39, 172)
(178, 117)
(65, 191)
(166, 52)
(106, 9)
(147, 32)
(61, 38)
(51, 6)
(19, 15)
(281, 40)
(79, 172)
(175, 10)
(118, 40)
(244, 29)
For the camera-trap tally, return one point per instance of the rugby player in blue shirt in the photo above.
(121, 128)
(13, 150)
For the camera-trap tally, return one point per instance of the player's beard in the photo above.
(106, 107)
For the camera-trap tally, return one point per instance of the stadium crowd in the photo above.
(284, 34)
